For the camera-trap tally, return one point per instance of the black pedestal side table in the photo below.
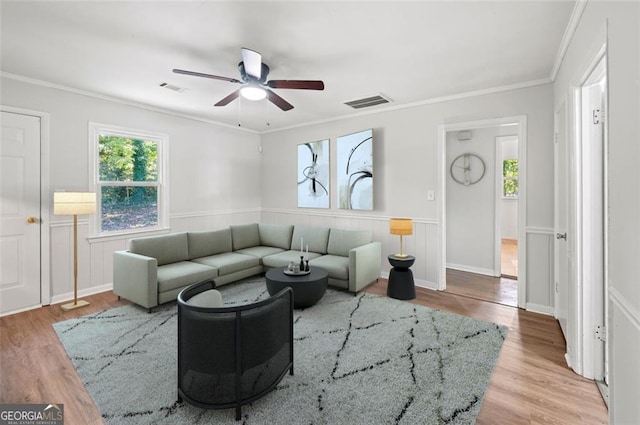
(401, 285)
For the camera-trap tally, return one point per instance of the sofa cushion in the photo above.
(166, 249)
(315, 237)
(229, 262)
(276, 235)
(183, 273)
(203, 244)
(282, 259)
(336, 265)
(342, 241)
(260, 251)
(245, 236)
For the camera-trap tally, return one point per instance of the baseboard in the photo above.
(541, 309)
(81, 293)
(471, 269)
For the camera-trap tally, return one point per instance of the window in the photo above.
(128, 179)
(510, 178)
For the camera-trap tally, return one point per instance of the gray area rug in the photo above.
(359, 359)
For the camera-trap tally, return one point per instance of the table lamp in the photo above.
(402, 227)
(74, 203)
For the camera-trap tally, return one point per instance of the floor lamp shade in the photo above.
(75, 204)
(402, 227)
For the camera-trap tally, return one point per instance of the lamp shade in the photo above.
(74, 203)
(401, 226)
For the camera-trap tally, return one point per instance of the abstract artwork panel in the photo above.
(355, 171)
(313, 174)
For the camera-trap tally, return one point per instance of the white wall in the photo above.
(623, 37)
(405, 168)
(214, 175)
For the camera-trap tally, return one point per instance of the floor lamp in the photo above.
(75, 204)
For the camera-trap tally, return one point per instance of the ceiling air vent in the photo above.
(366, 102)
(172, 87)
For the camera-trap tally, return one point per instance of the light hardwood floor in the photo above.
(501, 290)
(509, 258)
(530, 385)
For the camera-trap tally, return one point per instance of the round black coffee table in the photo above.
(307, 289)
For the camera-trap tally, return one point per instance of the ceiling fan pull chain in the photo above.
(266, 105)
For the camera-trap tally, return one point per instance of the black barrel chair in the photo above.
(231, 356)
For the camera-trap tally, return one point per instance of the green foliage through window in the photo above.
(510, 178)
(128, 182)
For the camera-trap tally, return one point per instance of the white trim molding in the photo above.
(572, 25)
(45, 198)
(625, 307)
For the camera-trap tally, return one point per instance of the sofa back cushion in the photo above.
(316, 237)
(276, 235)
(342, 241)
(203, 244)
(245, 236)
(165, 249)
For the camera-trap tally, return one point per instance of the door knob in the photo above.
(561, 236)
(32, 220)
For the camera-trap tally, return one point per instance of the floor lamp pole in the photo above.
(75, 303)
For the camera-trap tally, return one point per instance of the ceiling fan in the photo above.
(253, 76)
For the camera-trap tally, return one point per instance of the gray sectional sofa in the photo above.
(156, 268)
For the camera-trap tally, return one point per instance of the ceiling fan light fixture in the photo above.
(253, 93)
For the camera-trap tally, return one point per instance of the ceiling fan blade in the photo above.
(252, 62)
(278, 101)
(296, 84)
(233, 96)
(199, 74)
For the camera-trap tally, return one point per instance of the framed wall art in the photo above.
(355, 171)
(313, 174)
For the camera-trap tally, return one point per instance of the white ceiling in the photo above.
(410, 51)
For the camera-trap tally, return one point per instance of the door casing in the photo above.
(45, 200)
(521, 120)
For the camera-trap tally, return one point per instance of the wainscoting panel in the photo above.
(422, 244)
(61, 236)
(95, 254)
(539, 269)
(624, 386)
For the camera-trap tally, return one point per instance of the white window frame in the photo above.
(95, 130)
(504, 178)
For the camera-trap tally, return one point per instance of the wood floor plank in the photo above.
(531, 384)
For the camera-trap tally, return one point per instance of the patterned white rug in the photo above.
(359, 359)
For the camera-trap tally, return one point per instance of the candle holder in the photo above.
(302, 263)
(306, 265)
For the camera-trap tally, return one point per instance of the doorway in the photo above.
(507, 184)
(471, 210)
(24, 255)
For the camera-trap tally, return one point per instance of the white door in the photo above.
(19, 212)
(561, 197)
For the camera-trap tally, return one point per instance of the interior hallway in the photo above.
(500, 290)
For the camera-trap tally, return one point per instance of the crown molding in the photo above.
(448, 98)
(114, 99)
(574, 20)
